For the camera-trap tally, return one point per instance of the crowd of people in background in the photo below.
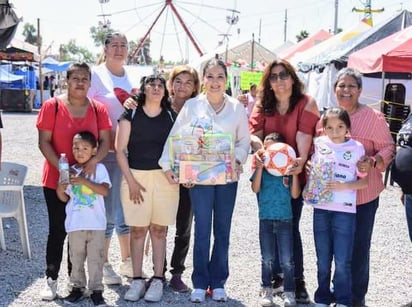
(116, 131)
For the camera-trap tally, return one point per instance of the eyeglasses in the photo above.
(283, 75)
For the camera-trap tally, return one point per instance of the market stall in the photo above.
(17, 59)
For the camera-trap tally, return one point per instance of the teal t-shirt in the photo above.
(274, 197)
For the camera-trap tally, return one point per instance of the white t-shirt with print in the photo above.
(85, 209)
(344, 158)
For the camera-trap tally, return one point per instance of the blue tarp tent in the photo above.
(54, 65)
(9, 80)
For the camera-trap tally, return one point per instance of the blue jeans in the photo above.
(334, 235)
(212, 203)
(365, 219)
(112, 202)
(276, 242)
(408, 209)
(297, 205)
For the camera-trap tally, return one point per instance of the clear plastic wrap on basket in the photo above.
(315, 191)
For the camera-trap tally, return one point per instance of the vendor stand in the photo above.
(18, 95)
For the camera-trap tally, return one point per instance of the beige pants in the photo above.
(87, 244)
(160, 204)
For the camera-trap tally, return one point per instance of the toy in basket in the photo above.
(278, 157)
(203, 160)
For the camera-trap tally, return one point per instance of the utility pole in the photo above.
(368, 12)
(335, 25)
(286, 25)
(40, 60)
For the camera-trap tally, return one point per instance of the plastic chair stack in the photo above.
(12, 176)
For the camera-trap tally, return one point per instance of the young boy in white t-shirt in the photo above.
(85, 220)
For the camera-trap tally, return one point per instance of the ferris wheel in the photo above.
(175, 22)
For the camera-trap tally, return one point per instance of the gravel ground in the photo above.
(21, 279)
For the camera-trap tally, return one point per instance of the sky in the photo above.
(62, 20)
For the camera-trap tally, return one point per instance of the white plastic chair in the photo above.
(12, 177)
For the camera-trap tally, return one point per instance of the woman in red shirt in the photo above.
(283, 107)
(59, 119)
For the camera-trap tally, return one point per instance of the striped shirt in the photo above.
(369, 127)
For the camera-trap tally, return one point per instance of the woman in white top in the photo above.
(108, 79)
(212, 112)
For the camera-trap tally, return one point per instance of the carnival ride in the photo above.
(168, 18)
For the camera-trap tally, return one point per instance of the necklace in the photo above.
(219, 108)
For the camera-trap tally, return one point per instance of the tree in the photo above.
(99, 34)
(302, 35)
(72, 52)
(30, 34)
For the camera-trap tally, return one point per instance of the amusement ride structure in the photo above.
(174, 13)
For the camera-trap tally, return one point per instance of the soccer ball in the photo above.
(278, 157)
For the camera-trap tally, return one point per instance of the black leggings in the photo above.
(56, 210)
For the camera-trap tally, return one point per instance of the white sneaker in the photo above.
(289, 299)
(136, 290)
(110, 277)
(321, 305)
(219, 295)
(49, 291)
(266, 297)
(198, 296)
(155, 291)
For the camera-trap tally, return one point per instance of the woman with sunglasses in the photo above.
(283, 107)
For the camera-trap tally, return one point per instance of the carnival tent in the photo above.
(283, 47)
(248, 55)
(8, 77)
(19, 50)
(305, 44)
(304, 56)
(54, 65)
(339, 53)
(391, 54)
(319, 70)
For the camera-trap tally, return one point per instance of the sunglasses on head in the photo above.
(283, 75)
